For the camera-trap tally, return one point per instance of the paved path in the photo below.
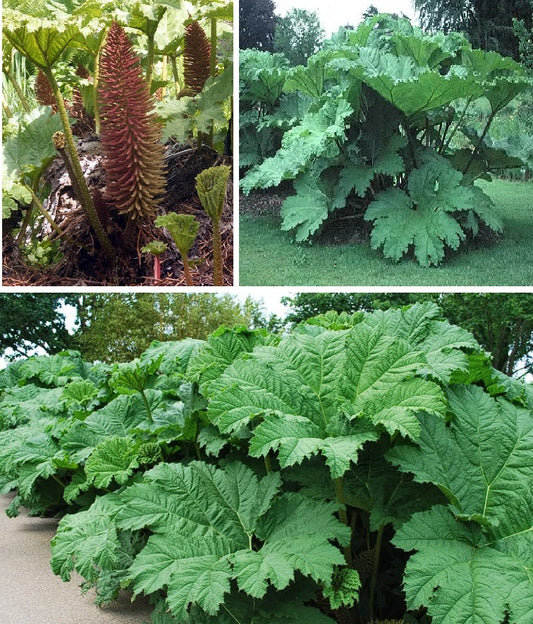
(30, 593)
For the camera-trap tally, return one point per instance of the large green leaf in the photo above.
(474, 558)
(221, 349)
(475, 460)
(310, 79)
(408, 87)
(114, 458)
(388, 495)
(318, 134)
(432, 216)
(173, 356)
(325, 392)
(55, 370)
(32, 148)
(118, 417)
(426, 51)
(399, 224)
(378, 157)
(462, 577)
(211, 526)
(305, 212)
(261, 75)
(500, 78)
(41, 40)
(87, 541)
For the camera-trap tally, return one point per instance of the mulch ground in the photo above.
(83, 263)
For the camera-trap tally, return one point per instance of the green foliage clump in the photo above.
(369, 128)
(261, 478)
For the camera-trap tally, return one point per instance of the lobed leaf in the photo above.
(475, 459)
(114, 458)
(461, 577)
(211, 526)
(326, 392)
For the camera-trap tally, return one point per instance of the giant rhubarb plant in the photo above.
(43, 42)
(369, 127)
(130, 135)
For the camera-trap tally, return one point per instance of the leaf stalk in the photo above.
(85, 198)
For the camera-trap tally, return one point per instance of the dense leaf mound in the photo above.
(376, 122)
(358, 468)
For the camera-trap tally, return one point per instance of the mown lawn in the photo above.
(269, 258)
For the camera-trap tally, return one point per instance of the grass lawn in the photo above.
(269, 258)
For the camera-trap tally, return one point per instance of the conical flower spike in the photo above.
(134, 156)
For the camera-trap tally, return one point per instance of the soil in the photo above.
(81, 262)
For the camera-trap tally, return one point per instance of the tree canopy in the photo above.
(32, 320)
(118, 327)
(298, 35)
(488, 24)
(257, 23)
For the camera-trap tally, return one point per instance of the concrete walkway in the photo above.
(30, 593)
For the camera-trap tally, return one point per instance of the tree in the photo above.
(119, 327)
(372, 11)
(502, 323)
(298, 35)
(257, 23)
(30, 321)
(487, 24)
(525, 40)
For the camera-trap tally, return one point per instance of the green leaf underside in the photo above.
(41, 40)
(315, 136)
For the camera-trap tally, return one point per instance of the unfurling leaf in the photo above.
(183, 229)
(211, 188)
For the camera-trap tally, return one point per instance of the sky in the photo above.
(336, 13)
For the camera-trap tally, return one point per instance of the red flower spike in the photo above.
(196, 57)
(130, 134)
(44, 92)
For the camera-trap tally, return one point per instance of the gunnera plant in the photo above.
(130, 134)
